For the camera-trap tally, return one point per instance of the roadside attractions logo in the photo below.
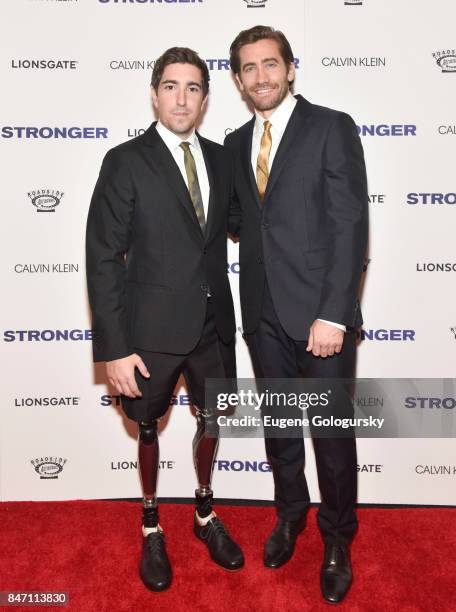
(446, 60)
(45, 200)
(255, 3)
(48, 468)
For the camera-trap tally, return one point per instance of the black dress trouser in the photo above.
(211, 358)
(275, 355)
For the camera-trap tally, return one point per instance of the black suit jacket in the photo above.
(309, 235)
(149, 265)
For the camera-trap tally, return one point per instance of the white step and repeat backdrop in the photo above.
(75, 77)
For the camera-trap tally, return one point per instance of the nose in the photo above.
(181, 96)
(262, 76)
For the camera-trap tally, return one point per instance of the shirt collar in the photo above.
(280, 116)
(172, 140)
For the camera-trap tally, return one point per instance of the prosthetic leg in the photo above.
(207, 526)
(148, 454)
(155, 568)
(204, 451)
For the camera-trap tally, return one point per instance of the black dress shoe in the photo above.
(280, 545)
(336, 573)
(222, 548)
(155, 569)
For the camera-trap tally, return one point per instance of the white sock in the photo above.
(148, 530)
(204, 521)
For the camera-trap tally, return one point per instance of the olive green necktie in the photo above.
(262, 170)
(193, 184)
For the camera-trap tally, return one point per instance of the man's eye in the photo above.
(194, 89)
(271, 64)
(169, 86)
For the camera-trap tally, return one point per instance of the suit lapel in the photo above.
(211, 174)
(246, 160)
(292, 134)
(170, 172)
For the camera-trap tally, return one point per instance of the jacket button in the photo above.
(260, 260)
(204, 251)
(204, 288)
(265, 225)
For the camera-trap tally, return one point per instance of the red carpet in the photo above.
(403, 560)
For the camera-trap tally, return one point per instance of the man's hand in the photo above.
(121, 374)
(324, 339)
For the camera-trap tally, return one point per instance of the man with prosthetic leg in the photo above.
(155, 568)
(158, 289)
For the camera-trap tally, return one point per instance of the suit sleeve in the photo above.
(346, 202)
(234, 214)
(109, 227)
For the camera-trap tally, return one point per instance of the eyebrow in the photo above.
(264, 61)
(173, 82)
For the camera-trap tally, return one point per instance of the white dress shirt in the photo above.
(279, 121)
(173, 141)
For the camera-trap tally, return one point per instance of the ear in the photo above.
(239, 82)
(291, 72)
(153, 95)
(204, 102)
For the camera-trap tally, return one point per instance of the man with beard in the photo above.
(300, 210)
(159, 292)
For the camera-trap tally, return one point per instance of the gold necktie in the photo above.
(193, 184)
(262, 170)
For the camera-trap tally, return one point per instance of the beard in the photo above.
(269, 102)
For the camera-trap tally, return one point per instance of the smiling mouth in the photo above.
(264, 91)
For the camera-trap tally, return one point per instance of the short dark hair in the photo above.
(179, 55)
(253, 35)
